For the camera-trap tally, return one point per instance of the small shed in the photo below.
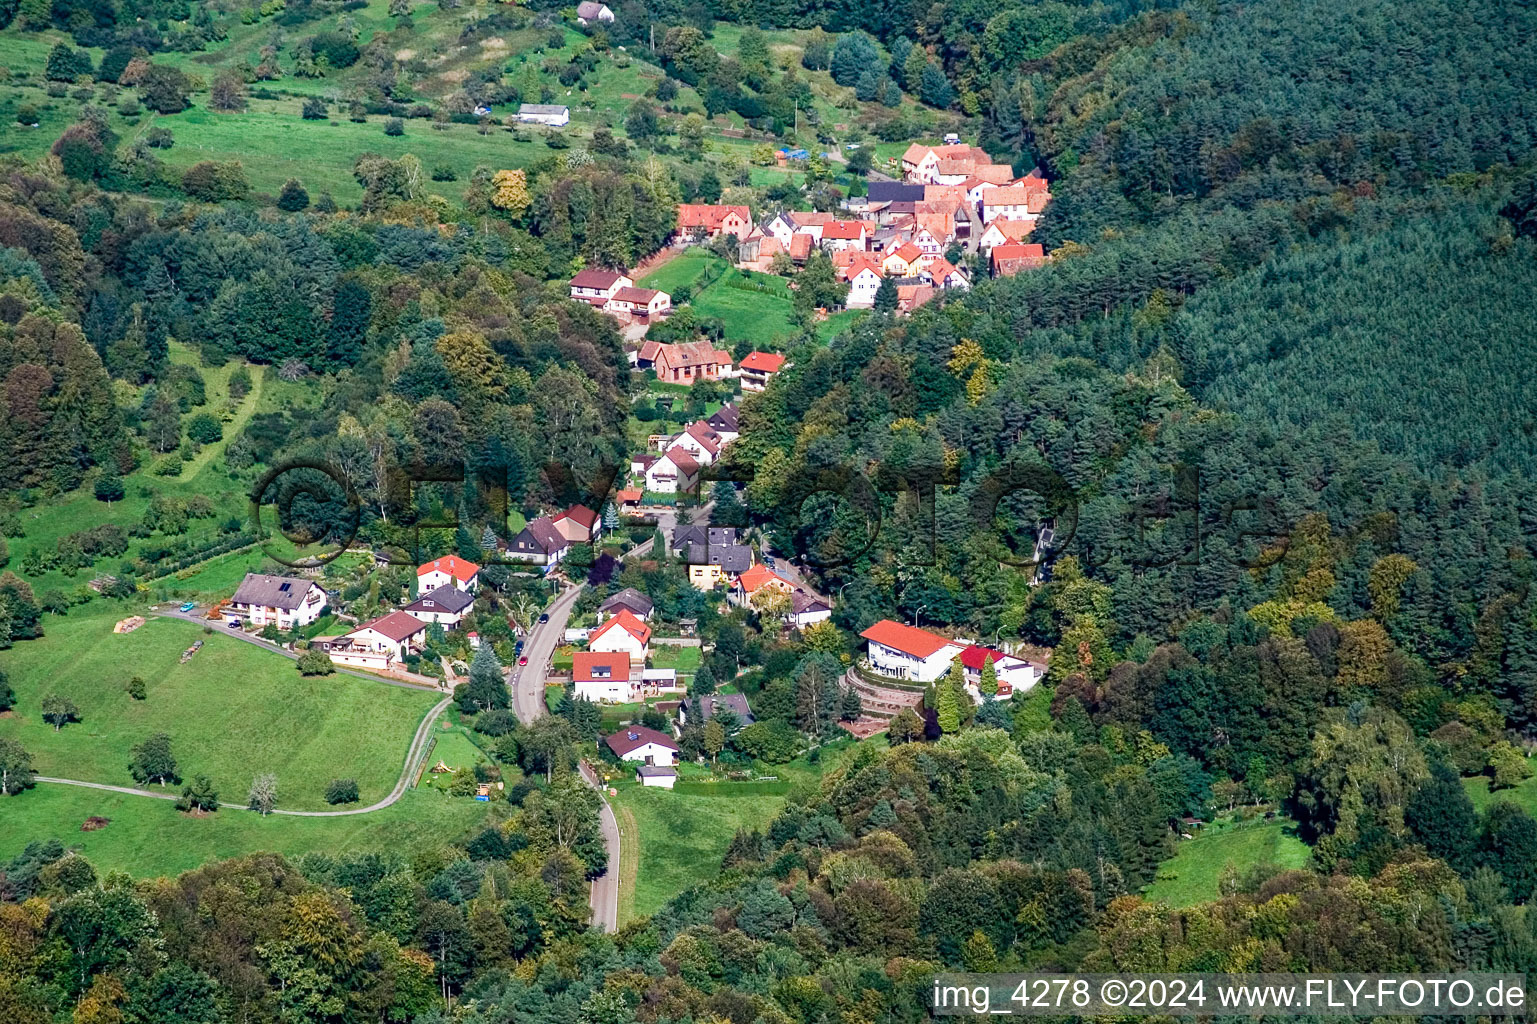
(656, 775)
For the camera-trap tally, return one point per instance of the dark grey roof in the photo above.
(286, 592)
(803, 600)
(711, 536)
(656, 771)
(894, 192)
(735, 701)
(724, 418)
(731, 557)
(540, 534)
(443, 599)
(629, 598)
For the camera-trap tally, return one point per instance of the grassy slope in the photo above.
(1191, 875)
(680, 838)
(232, 711)
(1523, 795)
(150, 837)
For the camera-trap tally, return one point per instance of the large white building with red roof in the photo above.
(602, 676)
(595, 285)
(1015, 675)
(379, 644)
(622, 634)
(450, 570)
(758, 368)
(907, 652)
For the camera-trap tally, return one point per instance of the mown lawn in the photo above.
(1191, 875)
(1523, 795)
(680, 839)
(233, 711)
(150, 837)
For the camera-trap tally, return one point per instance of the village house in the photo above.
(540, 542)
(920, 163)
(579, 524)
(675, 471)
(623, 633)
(378, 644)
(450, 570)
(907, 652)
(588, 11)
(755, 581)
(838, 235)
(629, 599)
(757, 368)
(602, 677)
(941, 274)
(548, 114)
(595, 286)
(699, 221)
(640, 303)
(638, 743)
(724, 422)
(1015, 675)
(1008, 260)
(710, 565)
(685, 362)
(1004, 231)
(282, 601)
(904, 261)
(1015, 202)
(446, 605)
(807, 609)
(701, 442)
(912, 296)
(864, 279)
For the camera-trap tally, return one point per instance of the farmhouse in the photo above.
(1004, 231)
(921, 164)
(282, 601)
(686, 362)
(907, 652)
(545, 113)
(588, 11)
(641, 303)
(377, 644)
(1016, 202)
(699, 221)
(1015, 675)
(597, 286)
(449, 570)
(445, 605)
(638, 743)
(602, 676)
(623, 633)
(757, 368)
(540, 542)
(629, 599)
(579, 524)
(673, 472)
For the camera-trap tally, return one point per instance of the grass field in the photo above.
(765, 318)
(684, 659)
(1523, 795)
(150, 837)
(678, 839)
(1191, 875)
(234, 710)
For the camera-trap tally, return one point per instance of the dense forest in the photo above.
(1271, 391)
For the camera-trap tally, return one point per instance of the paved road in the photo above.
(527, 682)
(418, 743)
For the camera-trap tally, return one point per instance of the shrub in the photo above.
(136, 688)
(27, 114)
(159, 138)
(394, 126)
(205, 428)
(293, 196)
(342, 791)
(314, 663)
(314, 109)
(443, 172)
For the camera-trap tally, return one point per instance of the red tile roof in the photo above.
(681, 458)
(633, 737)
(800, 246)
(625, 620)
(908, 252)
(581, 515)
(583, 663)
(758, 576)
(703, 215)
(763, 362)
(973, 656)
(843, 229)
(920, 643)
(629, 496)
(708, 439)
(638, 296)
(1013, 230)
(396, 625)
(455, 566)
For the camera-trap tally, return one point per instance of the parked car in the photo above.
(544, 618)
(187, 607)
(523, 660)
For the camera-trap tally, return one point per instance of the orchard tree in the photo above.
(342, 791)
(57, 710)
(199, 795)
(315, 662)
(109, 488)
(263, 795)
(153, 761)
(16, 771)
